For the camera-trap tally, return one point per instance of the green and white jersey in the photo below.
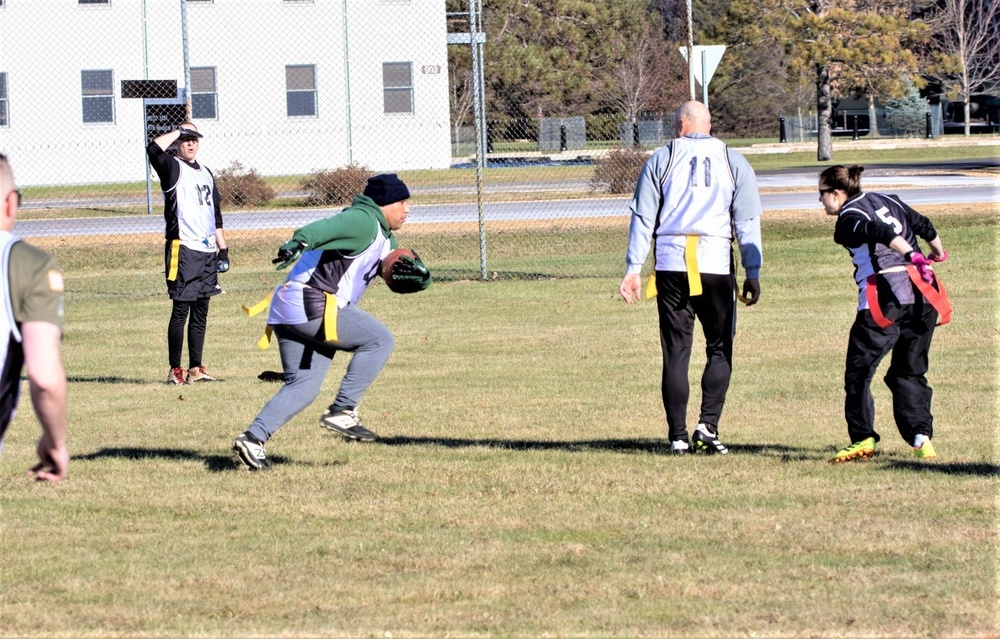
(343, 257)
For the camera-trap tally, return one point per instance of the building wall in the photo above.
(44, 45)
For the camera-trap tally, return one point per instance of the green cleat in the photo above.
(858, 450)
(925, 450)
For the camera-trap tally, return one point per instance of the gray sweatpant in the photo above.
(306, 357)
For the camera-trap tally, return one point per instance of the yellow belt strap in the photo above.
(256, 309)
(265, 339)
(691, 261)
(175, 251)
(259, 306)
(330, 318)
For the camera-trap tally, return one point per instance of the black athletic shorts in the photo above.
(191, 275)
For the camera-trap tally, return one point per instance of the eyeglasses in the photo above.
(822, 192)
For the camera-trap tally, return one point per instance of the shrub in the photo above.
(906, 115)
(618, 171)
(338, 186)
(240, 187)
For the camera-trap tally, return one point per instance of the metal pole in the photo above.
(690, 48)
(347, 83)
(145, 159)
(479, 113)
(187, 60)
(704, 78)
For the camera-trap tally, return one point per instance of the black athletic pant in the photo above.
(198, 312)
(715, 309)
(909, 340)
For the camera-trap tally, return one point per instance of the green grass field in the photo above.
(522, 484)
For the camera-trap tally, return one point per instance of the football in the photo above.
(390, 260)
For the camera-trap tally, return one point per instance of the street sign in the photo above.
(706, 60)
(149, 89)
(163, 117)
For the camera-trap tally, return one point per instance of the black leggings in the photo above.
(907, 342)
(198, 312)
(715, 310)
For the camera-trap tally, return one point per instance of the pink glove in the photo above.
(923, 266)
(939, 258)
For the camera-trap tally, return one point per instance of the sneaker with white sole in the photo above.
(199, 374)
(176, 376)
(863, 449)
(251, 452)
(708, 442)
(346, 422)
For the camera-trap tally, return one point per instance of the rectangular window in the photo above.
(3, 97)
(300, 86)
(397, 87)
(98, 96)
(204, 99)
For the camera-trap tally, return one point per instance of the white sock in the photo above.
(919, 440)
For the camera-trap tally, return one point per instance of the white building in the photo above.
(285, 87)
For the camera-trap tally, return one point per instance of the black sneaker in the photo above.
(345, 422)
(251, 452)
(707, 441)
(679, 447)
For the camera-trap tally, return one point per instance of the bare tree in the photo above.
(460, 88)
(643, 76)
(967, 59)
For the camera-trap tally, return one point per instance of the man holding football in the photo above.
(314, 313)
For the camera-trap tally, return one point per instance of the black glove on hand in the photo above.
(288, 253)
(751, 291)
(409, 275)
(223, 264)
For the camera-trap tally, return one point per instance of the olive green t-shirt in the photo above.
(36, 285)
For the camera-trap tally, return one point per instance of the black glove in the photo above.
(223, 264)
(409, 275)
(288, 253)
(751, 291)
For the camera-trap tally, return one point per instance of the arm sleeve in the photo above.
(163, 163)
(644, 208)
(216, 201)
(751, 251)
(854, 229)
(351, 230)
(921, 225)
(39, 283)
(747, 211)
(746, 199)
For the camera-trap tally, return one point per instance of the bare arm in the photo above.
(47, 380)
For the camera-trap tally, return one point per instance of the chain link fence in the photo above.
(299, 101)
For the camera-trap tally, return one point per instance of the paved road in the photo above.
(916, 190)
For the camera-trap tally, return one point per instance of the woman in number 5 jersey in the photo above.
(900, 301)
